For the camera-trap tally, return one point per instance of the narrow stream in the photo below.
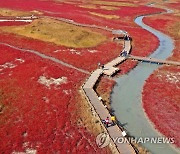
(126, 96)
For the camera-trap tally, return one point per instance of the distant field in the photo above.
(10, 12)
(105, 15)
(58, 32)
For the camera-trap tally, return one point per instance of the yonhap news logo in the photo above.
(141, 140)
(103, 140)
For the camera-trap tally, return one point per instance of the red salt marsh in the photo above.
(38, 104)
(84, 58)
(42, 102)
(162, 103)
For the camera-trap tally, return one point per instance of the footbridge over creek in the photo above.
(154, 60)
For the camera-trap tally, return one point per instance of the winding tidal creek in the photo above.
(126, 97)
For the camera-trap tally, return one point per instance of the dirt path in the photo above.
(45, 57)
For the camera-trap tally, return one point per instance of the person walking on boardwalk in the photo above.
(113, 119)
(107, 122)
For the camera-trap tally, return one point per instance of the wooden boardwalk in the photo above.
(114, 131)
(110, 68)
(93, 79)
(101, 110)
(154, 60)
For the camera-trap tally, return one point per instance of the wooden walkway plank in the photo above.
(110, 70)
(97, 104)
(113, 131)
(93, 78)
(127, 45)
(115, 62)
(124, 148)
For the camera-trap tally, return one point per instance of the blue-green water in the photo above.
(126, 95)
